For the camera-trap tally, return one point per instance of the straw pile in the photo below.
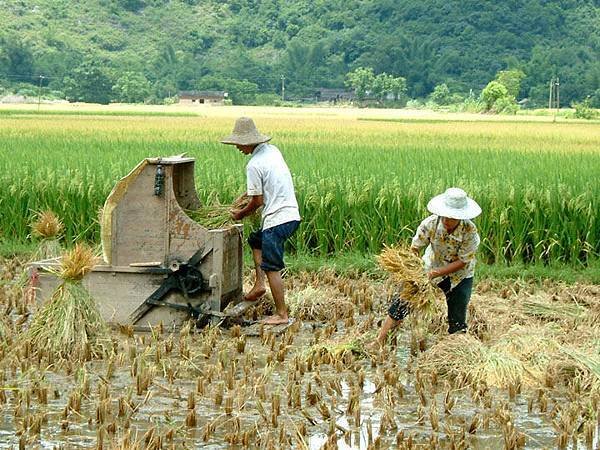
(48, 227)
(69, 325)
(463, 357)
(318, 304)
(406, 268)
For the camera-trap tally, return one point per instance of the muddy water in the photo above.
(163, 407)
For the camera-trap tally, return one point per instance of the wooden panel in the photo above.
(140, 222)
(184, 187)
(232, 259)
(118, 295)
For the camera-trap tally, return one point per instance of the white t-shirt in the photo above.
(268, 175)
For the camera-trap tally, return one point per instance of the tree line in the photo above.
(448, 50)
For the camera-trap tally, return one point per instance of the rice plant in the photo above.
(360, 184)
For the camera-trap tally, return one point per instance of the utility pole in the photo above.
(557, 87)
(554, 96)
(40, 91)
(282, 88)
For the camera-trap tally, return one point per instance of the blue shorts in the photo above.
(270, 242)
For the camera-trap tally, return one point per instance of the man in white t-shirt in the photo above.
(269, 184)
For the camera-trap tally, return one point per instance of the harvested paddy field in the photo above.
(527, 375)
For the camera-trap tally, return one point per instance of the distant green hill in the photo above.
(150, 49)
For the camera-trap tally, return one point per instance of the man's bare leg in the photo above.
(259, 289)
(387, 325)
(278, 292)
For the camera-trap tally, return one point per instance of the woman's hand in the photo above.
(433, 274)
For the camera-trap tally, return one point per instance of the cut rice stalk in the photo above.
(497, 369)
(47, 249)
(552, 310)
(534, 346)
(77, 263)
(212, 217)
(313, 303)
(219, 216)
(337, 349)
(406, 268)
(462, 356)
(69, 325)
(47, 225)
(6, 332)
(572, 363)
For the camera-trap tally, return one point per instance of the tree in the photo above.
(385, 85)
(131, 5)
(131, 87)
(492, 92)
(441, 94)
(398, 87)
(382, 86)
(16, 59)
(511, 79)
(361, 80)
(89, 83)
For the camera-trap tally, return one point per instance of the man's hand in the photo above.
(256, 201)
(236, 214)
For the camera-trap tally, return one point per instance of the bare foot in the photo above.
(254, 294)
(275, 320)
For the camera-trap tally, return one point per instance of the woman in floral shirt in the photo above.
(451, 241)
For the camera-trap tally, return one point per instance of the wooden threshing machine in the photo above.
(159, 265)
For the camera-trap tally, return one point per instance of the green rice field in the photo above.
(360, 183)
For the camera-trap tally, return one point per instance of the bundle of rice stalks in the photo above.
(406, 268)
(69, 325)
(211, 217)
(338, 349)
(49, 227)
(534, 346)
(573, 364)
(463, 357)
(318, 304)
(547, 310)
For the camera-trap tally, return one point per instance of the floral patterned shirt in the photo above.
(444, 248)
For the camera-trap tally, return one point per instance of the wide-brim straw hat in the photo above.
(454, 204)
(245, 133)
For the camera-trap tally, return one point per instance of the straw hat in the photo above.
(245, 133)
(454, 204)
